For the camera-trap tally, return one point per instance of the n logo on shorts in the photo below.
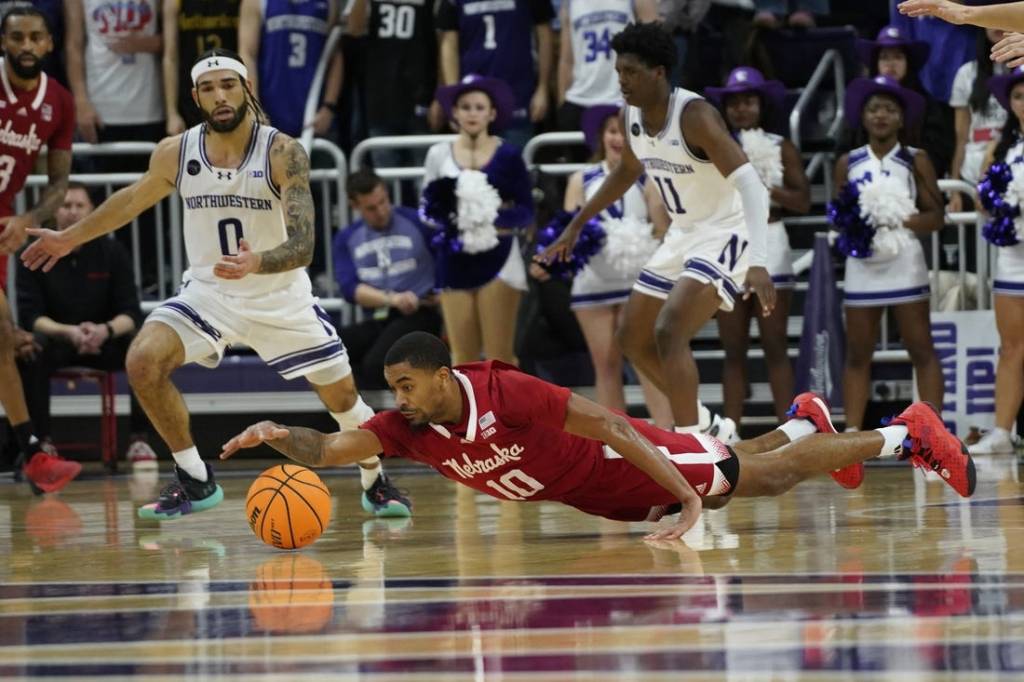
(732, 252)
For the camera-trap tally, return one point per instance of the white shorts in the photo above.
(1009, 279)
(872, 282)
(780, 256)
(513, 272)
(599, 284)
(714, 255)
(287, 328)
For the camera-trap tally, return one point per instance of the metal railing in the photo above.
(830, 58)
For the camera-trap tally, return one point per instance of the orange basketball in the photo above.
(288, 506)
(292, 593)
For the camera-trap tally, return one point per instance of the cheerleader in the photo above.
(600, 290)
(895, 187)
(1006, 157)
(480, 268)
(748, 103)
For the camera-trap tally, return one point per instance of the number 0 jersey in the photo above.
(695, 193)
(222, 206)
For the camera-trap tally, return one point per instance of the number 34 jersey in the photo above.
(222, 206)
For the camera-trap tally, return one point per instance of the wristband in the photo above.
(110, 330)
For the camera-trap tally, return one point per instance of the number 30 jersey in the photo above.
(222, 206)
(695, 193)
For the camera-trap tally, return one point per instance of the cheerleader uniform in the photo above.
(598, 283)
(780, 254)
(1009, 274)
(886, 279)
(507, 173)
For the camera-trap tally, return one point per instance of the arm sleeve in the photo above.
(344, 266)
(447, 16)
(541, 11)
(31, 298)
(525, 399)
(387, 429)
(516, 187)
(754, 196)
(124, 297)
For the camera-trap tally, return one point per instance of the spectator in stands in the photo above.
(976, 113)
(1008, 284)
(889, 271)
(481, 287)
(190, 28)
(894, 55)
(681, 18)
(749, 104)
(798, 13)
(84, 313)
(53, 12)
(281, 43)
(956, 44)
(586, 64)
(383, 263)
(497, 40)
(601, 289)
(400, 57)
(114, 71)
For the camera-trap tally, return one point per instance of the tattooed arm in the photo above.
(289, 169)
(13, 228)
(308, 446)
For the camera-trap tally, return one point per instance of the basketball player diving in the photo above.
(248, 228)
(512, 436)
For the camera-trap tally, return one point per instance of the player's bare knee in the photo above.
(144, 367)
(921, 355)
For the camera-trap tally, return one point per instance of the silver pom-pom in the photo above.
(764, 155)
(478, 205)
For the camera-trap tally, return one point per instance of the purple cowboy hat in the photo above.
(1001, 85)
(917, 51)
(592, 121)
(748, 79)
(860, 89)
(495, 88)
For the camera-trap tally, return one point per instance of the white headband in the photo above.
(216, 63)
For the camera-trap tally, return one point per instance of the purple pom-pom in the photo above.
(855, 233)
(590, 242)
(1001, 229)
(439, 208)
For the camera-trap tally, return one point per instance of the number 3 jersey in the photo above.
(695, 193)
(222, 206)
(510, 444)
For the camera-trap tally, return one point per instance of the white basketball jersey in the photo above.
(594, 23)
(696, 195)
(631, 204)
(224, 205)
(864, 166)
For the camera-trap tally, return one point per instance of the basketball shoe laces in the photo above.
(921, 450)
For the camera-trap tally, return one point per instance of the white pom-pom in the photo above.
(478, 205)
(629, 245)
(886, 204)
(764, 155)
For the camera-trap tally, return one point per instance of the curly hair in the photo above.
(649, 42)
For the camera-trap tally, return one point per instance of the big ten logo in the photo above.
(123, 16)
(980, 379)
(944, 337)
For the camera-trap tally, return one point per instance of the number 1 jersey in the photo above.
(222, 206)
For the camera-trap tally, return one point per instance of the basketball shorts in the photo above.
(1009, 278)
(286, 328)
(712, 255)
(874, 282)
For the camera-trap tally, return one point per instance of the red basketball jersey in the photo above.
(511, 445)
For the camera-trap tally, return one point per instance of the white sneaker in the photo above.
(995, 442)
(141, 456)
(724, 429)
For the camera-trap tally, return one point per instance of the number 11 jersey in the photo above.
(222, 206)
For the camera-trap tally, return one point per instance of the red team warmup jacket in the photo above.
(511, 445)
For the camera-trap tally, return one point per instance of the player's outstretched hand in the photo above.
(561, 248)
(260, 432)
(759, 282)
(687, 518)
(245, 262)
(48, 248)
(1009, 50)
(942, 9)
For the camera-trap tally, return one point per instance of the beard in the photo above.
(27, 72)
(226, 126)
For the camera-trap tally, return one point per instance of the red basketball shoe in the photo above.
(48, 473)
(815, 408)
(929, 444)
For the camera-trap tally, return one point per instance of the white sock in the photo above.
(894, 437)
(368, 476)
(851, 429)
(189, 460)
(795, 429)
(687, 429)
(354, 416)
(998, 431)
(703, 417)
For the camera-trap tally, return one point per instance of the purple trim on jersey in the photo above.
(325, 320)
(181, 158)
(192, 316)
(784, 279)
(266, 166)
(600, 298)
(711, 271)
(1002, 286)
(254, 135)
(890, 296)
(652, 281)
(301, 359)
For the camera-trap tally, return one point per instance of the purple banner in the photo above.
(819, 368)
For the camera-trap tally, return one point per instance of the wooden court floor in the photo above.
(900, 580)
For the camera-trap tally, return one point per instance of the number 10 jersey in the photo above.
(222, 206)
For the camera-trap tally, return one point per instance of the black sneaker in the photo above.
(184, 496)
(384, 499)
